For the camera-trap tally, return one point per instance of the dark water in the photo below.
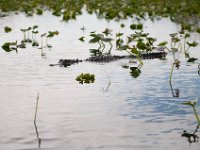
(129, 113)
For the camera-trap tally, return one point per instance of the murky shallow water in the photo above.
(133, 113)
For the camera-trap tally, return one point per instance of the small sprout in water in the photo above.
(82, 39)
(107, 32)
(85, 78)
(7, 29)
(50, 35)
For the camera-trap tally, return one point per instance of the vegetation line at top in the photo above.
(177, 10)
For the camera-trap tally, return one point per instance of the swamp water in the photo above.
(129, 113)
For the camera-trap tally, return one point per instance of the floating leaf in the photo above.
(119, 34)
(7, 29)
(164, 43)
(85, 78)
(193, 44)
(82, 38)
(140, 26)
(135, 51)
(7, 46)
(133, 26)
(187, 35)
(135, 72)
(122, 25)
(141, 45)
(123, 47)
(35, 27)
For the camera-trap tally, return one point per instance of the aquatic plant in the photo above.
(85, 78)
(138, 43)
(28, 40)
(82, 39)
(101, 40)
(42, 35)
(136, 26)
(24, 35)
(119, 40)
(135, 72)
(10, 46)
(34, 33)
(50, 35)
(7, 29)
(192, 103)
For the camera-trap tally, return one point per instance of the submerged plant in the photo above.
(85, 78)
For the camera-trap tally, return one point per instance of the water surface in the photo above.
(130, 113)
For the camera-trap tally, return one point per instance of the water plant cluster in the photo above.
(178, 10)
(85, 78)
(29, 37)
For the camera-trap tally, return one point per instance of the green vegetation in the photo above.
(10, 46)
(85, 78)
(7, 29)
(177, 10)
(192, 103)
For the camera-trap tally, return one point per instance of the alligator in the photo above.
(109, 58)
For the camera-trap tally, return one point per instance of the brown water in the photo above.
(130, 113)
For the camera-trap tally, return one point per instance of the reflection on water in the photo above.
(129, 113)
(175, 92)
(38, 136)
(191, 137)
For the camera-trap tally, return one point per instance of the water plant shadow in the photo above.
(35, 124)
(191, 137)
(175, 92)
(38, 136)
